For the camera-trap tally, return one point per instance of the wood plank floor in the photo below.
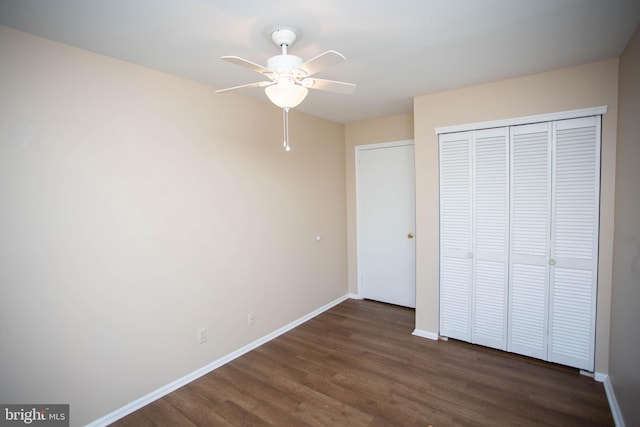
(357, 364)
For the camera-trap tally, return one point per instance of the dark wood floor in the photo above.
(358, 364)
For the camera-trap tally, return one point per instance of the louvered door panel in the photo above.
(529, 239)
(572, 318)
(455, 235)
(575, 213)
(528, 319)
(455, 195)
(530, 190)
(455, 298)
(491, 192)
(489, 304)
(490, 226)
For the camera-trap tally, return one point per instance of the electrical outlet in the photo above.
(202, 335)
(251, 318)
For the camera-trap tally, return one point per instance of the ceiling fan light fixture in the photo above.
(286, 94)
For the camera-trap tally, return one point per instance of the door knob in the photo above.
(410, 235)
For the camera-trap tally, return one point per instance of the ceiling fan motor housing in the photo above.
(283, 63)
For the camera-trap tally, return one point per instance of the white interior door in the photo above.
(386, 222)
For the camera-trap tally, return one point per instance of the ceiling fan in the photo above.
(289, 78)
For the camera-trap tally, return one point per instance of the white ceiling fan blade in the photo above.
(250, 85)
(247, 64)
(330, 85)
(321, 62)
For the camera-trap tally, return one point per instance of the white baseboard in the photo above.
(613, 403)
(354, 296)
(600, 377)
(425, 334)
(163, 391)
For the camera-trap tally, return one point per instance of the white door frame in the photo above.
(358, 150)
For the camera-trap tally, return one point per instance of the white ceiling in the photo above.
(395, 49)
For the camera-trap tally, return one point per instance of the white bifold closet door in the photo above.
(555, 181)
(519, 238)
(474, 206)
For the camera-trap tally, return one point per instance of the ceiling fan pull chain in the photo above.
(285, 125)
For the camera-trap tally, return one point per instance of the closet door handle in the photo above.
(469, 254)
(552, 261)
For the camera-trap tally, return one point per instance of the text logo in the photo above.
(34, 415)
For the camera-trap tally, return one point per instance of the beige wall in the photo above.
(385, 129)
(565, 89)
(625, 315)
(137, 207)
